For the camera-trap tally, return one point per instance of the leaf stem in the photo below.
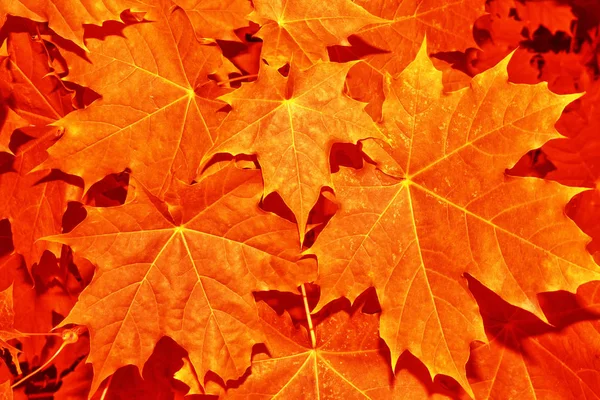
(44, 365)
(41, 334)
(69, 336)
(313, 338)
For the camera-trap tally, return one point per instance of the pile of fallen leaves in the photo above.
(299, 199)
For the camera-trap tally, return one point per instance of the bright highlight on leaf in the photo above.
(383, 199)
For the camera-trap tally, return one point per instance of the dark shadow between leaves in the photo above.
(58, 175)
(533, 164)
(6, 242)
(73, 216)
(441, 384)
(156, 380)
(500, 316)
(110, 191)
(509, 325)
(273, 203)
(346, 155)
(357, 50)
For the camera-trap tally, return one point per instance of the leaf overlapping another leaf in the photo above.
(158, 105)
(202, 132)
(454, 211)
(291, 124)
(67, 17)
(34, 96)
(181, 268)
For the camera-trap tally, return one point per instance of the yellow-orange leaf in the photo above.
(452, 211)
(290, 124)
(185, 269)
(447, 24)
(300, 31)
(346, 362)
(157, 107)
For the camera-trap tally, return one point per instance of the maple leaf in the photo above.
(447, 25)
(157, 107)
(37, 203)
(290, 124)
(437, 199)
(299, 32)
(183, 268)
(530, 14)
(217, 19)
(527, 360)
(575, 159)
(67, 18)
(344, 361)
(453, 211)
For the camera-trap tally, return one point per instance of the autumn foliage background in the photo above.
(299, 199)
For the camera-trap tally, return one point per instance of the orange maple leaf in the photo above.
(300, 32)
(446, 24)
(575, 157)
(35, 206)
(180, 172)
(548, 13)
(181, 268)
(453, 211)
(344, 361)
(157, 107)
(290, 124)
